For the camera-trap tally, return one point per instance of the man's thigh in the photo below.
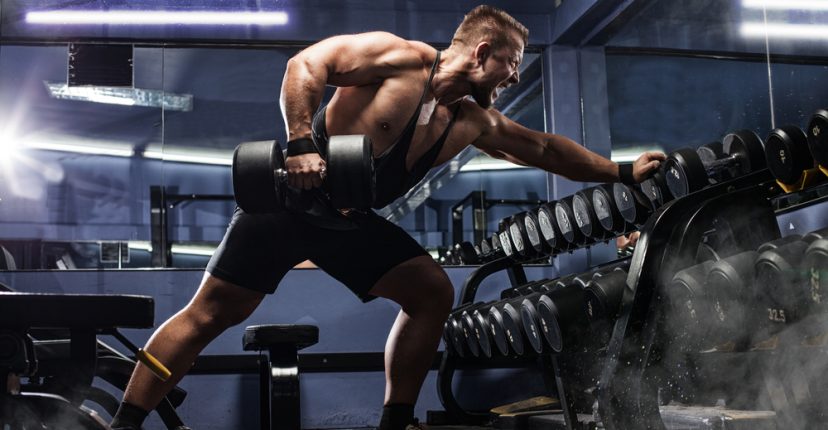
(359, 258)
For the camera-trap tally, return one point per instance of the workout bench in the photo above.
(279, 370)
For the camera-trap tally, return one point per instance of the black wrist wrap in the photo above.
(625, 174)
(302, 145)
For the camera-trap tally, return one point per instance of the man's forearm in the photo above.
(571, 160)
(302, 89)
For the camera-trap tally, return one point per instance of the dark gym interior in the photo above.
(117, 141)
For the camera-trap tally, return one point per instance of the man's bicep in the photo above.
(356, 59)
(506, 139)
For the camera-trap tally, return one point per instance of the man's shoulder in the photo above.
(404, 50)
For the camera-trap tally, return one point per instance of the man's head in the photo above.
(494, 42)
(487, 23)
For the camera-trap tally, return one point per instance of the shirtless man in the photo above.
(381, 80)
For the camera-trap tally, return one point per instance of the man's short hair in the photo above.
(490, 24)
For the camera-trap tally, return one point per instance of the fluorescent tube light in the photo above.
(122, 96)
(205, 250)
(786, 4)
(784, 31)
(139, 17)
(191, 157)
(490, 165)
(115, 151)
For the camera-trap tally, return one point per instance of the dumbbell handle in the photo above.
(725, 162)
(281, 174)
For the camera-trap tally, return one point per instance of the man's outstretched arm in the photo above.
(506, 139)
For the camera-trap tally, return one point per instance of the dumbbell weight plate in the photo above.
(467, 322)
(816, 263)
(550, 232)
(632, 204)
(584, 214)
(565, 218)
(818, 137)
(506, 243)
(467, 252)
(710, 152)
(655, 189)
(747, 147)
(533, 233)
(498, 332)
(685, 172)
(255, 183)
(485, 247)
(606, 210)
(350, 172)
(787, 154)
(482, 332)
(519, 236)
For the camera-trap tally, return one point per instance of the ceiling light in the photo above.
(784, 31)
(786, 4)
(139, 17)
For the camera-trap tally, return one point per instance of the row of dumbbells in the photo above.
(788, 151)
(564, 314)
(750, 296)
(592, 215)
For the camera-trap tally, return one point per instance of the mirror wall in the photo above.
(138, 176)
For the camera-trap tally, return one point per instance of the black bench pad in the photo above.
(86, 311)
(257, 337)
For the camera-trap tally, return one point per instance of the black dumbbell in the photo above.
(532, 325)
(655, 188)
(534, 236)
(818, 137)
(586, 215)
(477, 341)
(607, 211)
(467, 253)
(603, 295)
(689, 317)
(459, 334)
(506, 243)
(497, 247)
(565, 217)
(530, 320)
(729, 288)
(687, 172)
(519, 236)
(782, 277)
(260, 179)
(561, 317)
(787, 154)
(550, 232)
(816, 264)
(485, 247)
(634, 207)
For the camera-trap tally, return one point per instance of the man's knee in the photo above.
(418, 285)
(219, 304)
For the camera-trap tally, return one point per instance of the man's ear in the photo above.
(482, 52)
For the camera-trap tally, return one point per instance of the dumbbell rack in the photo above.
(627, 394)
(628, 390)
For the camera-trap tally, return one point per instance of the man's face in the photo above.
(498, 70)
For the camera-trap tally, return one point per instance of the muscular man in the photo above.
(421, 107)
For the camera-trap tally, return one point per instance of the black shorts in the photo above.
(259, 249)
